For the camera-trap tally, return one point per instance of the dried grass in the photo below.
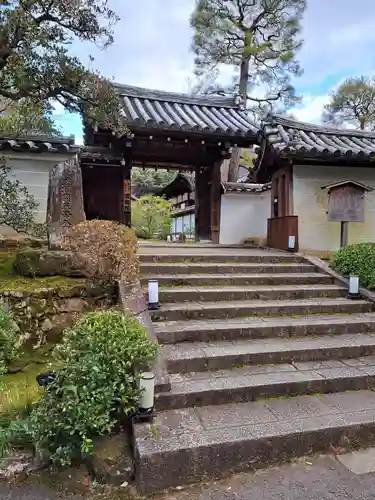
(105, 250)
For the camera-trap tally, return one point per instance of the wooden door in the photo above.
(103, 193)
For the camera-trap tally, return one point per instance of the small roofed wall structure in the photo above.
(167, 130)
(300, 159)
(33, 160)
(245, 209)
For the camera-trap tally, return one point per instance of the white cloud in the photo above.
(153, 37)
(312, 108)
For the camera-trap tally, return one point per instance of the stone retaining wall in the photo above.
(43, 314)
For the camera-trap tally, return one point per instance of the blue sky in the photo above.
(153, 37)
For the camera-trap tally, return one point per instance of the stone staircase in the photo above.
(264, 353)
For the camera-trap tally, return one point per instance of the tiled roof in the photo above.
(153, 109)
(243, 187)
(182, 183)
(39, 144)
(291, 137)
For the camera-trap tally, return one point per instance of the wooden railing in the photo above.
(279, 229)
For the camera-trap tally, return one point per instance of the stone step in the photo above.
(267, 381)
(223, 256)
(259, 328)
(198, 444)
(272, 279)
(227, 310)
(156, 268)
(201, 356)
(228, 293)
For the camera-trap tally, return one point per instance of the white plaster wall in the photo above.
(33, 172)
(244, 216)
(310, 202)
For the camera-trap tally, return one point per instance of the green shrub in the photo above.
(8, 340)
(100, 356)
(357, 260)
(151, 217)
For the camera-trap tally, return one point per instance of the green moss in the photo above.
(21, 389)
(12, 282)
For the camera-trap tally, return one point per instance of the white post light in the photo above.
(353, 288)
(291, 243)
(147, 387)
(153, 295)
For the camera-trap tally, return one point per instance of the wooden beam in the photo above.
(215, 202)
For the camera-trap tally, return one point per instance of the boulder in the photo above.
(21, 241)
(42, 262)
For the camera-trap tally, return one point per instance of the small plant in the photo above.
(357, 260)
(17, 205)
(8, 340)
(105, 250)
(189, 230)
(101, 355)
(13, 433)
(151, 217)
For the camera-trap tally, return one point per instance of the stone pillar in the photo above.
(65, 206)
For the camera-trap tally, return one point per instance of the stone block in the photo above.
(43, 262)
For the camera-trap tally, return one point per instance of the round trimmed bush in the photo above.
(100, 358)
(357, 260)
(105, 250)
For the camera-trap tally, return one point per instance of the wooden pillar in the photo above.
(198, 196)
(215, 202)
(202, 203)
(126, 200)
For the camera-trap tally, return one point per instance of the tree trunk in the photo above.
(234, 163)
(65, 200)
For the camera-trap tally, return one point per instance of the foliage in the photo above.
(105, 250)
(151, 217)
(35, 61)
(17, 205)
(13, 433)
(353, 102)
(260, 40)
(149, 180)
(8, 341)
(100, 354)
(27, 117)
(357, 260)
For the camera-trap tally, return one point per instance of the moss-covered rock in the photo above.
(21, 241)
(43, 262)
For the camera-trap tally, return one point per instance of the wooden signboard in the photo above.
(346, 204)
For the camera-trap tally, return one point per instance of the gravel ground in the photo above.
(321, 479)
